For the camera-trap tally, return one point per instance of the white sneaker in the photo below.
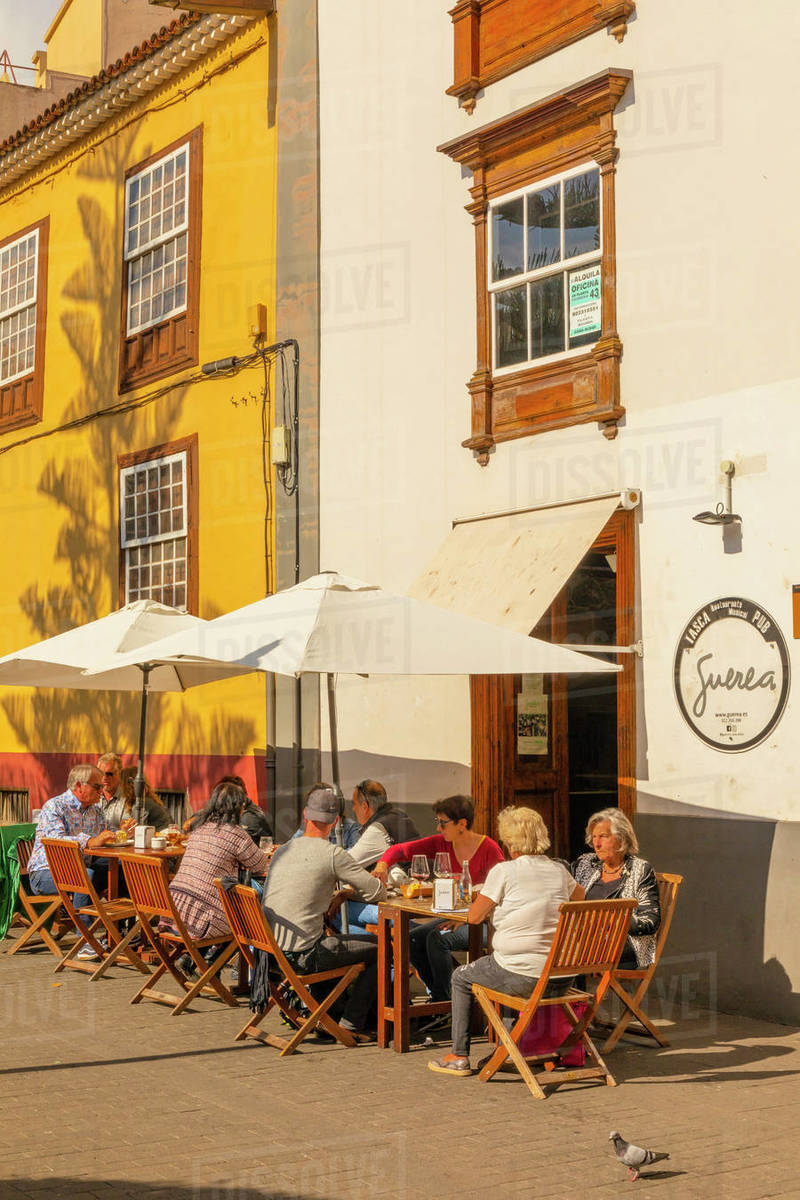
(87, 953)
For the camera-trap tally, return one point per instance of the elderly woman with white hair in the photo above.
(522, 897)
(613, 870)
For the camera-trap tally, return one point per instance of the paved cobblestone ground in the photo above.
(101, 1100)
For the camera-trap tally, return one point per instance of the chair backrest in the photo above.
(668, 896)
(65, 860)
(250, 926)
(589, 938)
(148, 884)
(24, 851)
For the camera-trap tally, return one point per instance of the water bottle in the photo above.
(465, 885)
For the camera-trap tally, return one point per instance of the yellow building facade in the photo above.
(137, 240)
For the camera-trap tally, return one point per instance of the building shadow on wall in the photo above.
(80, 480)
(715, 952)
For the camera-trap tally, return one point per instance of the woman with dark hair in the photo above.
(432, 942)
(253, 819)
(217, 846)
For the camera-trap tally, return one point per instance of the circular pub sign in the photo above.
(732, 674)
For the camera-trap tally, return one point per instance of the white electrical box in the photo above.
(281, 446)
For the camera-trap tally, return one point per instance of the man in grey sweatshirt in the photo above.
(303, 878)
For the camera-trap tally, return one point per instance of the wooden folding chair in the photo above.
(588, 941)
(67, 866)
(643, 1027)
(37, 911)
(251, 929)
(148, 886)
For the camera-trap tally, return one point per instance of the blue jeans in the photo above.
(431, 948)
(359, 916)
(42, 884)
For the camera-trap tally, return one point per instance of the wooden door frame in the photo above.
(488, 734)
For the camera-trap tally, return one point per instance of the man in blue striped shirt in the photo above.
(73, 816)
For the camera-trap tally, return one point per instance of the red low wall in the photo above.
(45, 775)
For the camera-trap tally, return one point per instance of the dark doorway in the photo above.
(591, 620)
(566, 744)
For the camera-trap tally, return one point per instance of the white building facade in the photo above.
(608, 319)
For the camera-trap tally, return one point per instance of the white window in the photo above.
(154, 527)
(19, 263)
(544, 269)
(156, 240)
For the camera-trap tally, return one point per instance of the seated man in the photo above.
(73, 816)
(381, 825)
(300, 886)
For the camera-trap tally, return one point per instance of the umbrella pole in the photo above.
(334, 737)
(138, 783)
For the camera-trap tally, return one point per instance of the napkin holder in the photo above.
(445, 894)
(143, 836)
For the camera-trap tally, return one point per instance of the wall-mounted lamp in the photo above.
(723, 514)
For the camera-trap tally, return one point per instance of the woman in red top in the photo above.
(432, 942)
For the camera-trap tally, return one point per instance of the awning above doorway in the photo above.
(507, 569)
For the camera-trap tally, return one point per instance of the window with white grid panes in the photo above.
(545, 250)
(156, 240)
(154, 530)
(18, 278)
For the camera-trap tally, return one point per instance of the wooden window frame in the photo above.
(172, 344)
(563, 267)
(189, 447)
(494, 38)
(22, 398)
(571, 128)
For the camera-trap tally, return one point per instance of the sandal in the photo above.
(450, 1064)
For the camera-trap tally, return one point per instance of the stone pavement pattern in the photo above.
(102, 1100)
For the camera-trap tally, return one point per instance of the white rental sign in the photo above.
(584, 301)
(731, 674)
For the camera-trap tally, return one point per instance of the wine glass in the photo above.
(441, 865)
(419, 868)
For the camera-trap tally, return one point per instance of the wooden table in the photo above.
(112, 853)
(394, 1001)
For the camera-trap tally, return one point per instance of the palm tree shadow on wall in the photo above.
(81, 481)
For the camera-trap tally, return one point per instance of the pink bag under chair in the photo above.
(548, 1029)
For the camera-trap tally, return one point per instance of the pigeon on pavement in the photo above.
(634, 1157)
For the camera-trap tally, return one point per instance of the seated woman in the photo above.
(253, 819)
(123, 807)
(432, 942)
(523, 898)
(217, 846)
(614, 871)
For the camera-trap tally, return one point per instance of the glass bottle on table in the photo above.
(465, 884)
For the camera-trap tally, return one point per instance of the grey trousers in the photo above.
(490, 974)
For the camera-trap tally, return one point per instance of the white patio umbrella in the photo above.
(107, 644)
(331, 624)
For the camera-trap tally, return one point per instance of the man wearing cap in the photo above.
(304, 876)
